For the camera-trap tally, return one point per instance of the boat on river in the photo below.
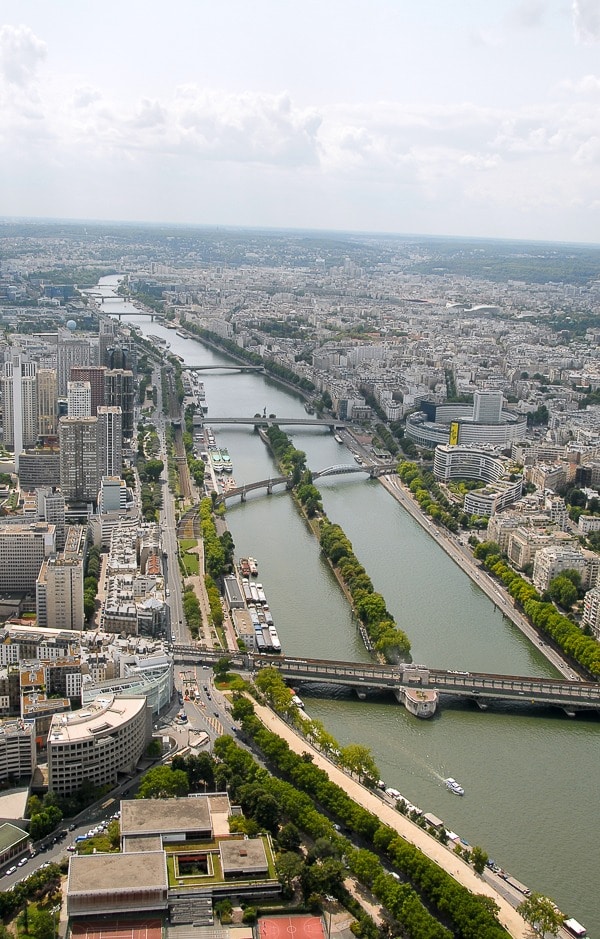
(253, 566)
(453, 786)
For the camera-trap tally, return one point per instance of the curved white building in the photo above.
(152, 676)
(97, 743)
(482, 422)
(469, 462)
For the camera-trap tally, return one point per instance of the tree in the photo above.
(162, 782)
(289, 867)
(359, 760)
(479, 859)
(541, 914)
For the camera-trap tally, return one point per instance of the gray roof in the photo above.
(10, 835)
(247, 854)
(117, 873)
(163, 816)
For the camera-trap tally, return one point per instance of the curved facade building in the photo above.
(464, 424)
(97, 743)
(152, 677)
(468, 462)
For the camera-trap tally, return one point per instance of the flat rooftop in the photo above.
(165, 816)
(117, 873)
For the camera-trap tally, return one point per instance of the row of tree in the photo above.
(468, 915)
(567, 635)
(387, 638)
(433, 501)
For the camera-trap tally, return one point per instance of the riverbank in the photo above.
(373, 802)
(464, 559)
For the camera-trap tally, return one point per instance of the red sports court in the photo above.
(291, 927)
(118, 929)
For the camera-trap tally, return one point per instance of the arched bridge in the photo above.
(372, 470)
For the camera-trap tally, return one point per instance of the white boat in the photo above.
(454, 787)
(253, 566)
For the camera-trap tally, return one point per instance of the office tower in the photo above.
(79, 399)
(23, 548)
(110, 441)
(95, 375)
(487, 407)
(47, 396)
(50, 505)
(78, 440)
(70, 352)
(118, 392)
(59, 593)
(19, 395)
(106, 337)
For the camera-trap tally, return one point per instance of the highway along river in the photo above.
(531, 794)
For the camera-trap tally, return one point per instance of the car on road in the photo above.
(22, 862)
(11, 870)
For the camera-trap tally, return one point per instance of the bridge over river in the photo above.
(372, 470)
(416, 686)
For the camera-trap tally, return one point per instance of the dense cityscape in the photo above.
(463, 373)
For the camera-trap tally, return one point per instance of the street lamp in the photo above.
(54, 911)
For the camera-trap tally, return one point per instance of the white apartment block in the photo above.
(79, 399)
(59, 594)
(17, 749)
(23, 549)
(551, 561)
(591, 611)
(105, 738)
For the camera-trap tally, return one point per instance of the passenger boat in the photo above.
(226, 461)
(337, 438)
(253, 566)
(244, 567)
(454, 787)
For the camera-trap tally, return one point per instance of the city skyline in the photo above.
(472, 121)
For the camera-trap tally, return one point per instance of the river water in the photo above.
(530, 779)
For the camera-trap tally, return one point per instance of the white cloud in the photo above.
(586, 19)
(20, 54)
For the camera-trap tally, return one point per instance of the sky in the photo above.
(442, 117)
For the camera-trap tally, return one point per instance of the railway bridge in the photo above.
(416, 686)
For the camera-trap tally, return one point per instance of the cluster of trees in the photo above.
(218, 550)
(387, 438)
(309, 495)
(192, 611)
(565, 588)
(45, 882)
(90, 583)
(214, 600)
(290, 459)
(237, 352)
(44, 815)
(432, 500)
(151, 493)
(387, 638)
(539, 416)
(195, 466)
(468, 915)
(357, 759)
(567, 635)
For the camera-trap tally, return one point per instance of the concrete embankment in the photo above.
(462, 556)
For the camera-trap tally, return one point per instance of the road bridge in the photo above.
(331, 423)
(223, 368)
(481, 687)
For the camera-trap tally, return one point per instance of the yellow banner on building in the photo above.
(454, 429)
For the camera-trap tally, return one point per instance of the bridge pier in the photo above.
(418, 701)
(270, 488)
(243, 495)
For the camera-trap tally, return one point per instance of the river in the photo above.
(531, 793)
